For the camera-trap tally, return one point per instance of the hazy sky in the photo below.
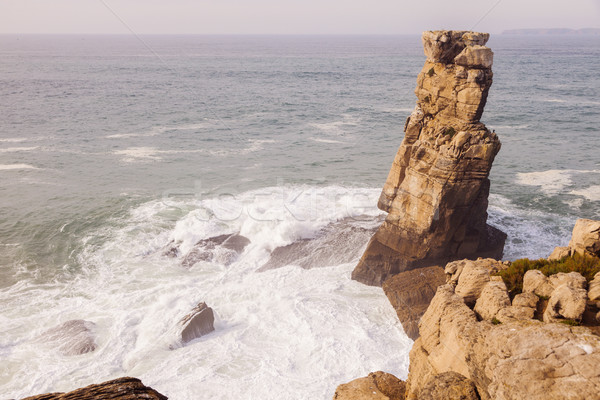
(291, 16)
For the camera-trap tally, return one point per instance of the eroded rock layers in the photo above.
(437, 189)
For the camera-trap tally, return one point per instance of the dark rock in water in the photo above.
(410, 293)
(118, 389)
(73, 338)
(197, 323)
(223, 248)
(337, 243)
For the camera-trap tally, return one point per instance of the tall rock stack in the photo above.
(437, 189)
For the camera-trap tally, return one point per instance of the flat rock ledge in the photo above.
(118, 389)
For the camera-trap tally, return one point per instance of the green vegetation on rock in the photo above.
(513, 275)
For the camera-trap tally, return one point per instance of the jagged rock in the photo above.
(572, 279)
(377, 386)
(437, 189)
(199, 322)
(566, 302)
(594, 292)
(411, 292)
(585, 238)
(525, 300)
(493, 298)
(72, 338)
(515, 313)
(525, 359)
(449, 385)
(534, 281)
(559, 253)
(472, 276)
(118, 389)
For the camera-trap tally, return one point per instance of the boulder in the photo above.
(534, 281)
(377, 386)
(526, 300)
(585, 238)
(437, 188)
(449, 385)
(493, 298)
(559, 253)
(199, 322)
(571, 279)
(410, 293)
(72, 338)
(472, 276)
(515, 313)
(594, 292)
(566, 302)
(118, 389)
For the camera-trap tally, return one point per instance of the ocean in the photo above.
(119, 154)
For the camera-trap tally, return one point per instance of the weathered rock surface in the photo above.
(525, 300)
(377, 386)
(594, 292)
(470, 277)
(493, 298)
(437, 189)
(410, 293)
(449, 385)
(72, 338)
(520, 358)
(199, 322)
(534, 281)
(566, 302)
(121, 389)
(585, 240)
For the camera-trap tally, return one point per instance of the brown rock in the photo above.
(586, 237)
(559, 253)
(199, 322)
(566, 302)
(515, 313)
(534, 281)
(470, 277)
(449, 385)
(493, 298)
(377, 386)
(411, 292)
(437, 189)
(72, 338)
(594, 292)
(525, 300)
(121, 389)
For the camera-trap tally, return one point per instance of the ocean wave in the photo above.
(17, 149)
(551, 182)
(9, 167)
(591, 193)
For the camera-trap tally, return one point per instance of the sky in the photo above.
(291, 16)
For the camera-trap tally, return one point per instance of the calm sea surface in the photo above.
(113, 148)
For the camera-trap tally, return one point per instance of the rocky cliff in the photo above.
(437, 189)
(536, 339)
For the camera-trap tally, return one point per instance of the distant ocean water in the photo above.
(110, 153)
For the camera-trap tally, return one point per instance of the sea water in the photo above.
(115, 149)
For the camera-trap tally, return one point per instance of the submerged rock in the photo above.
(223, 249)
(72, 338)
(118, 389)
(437, 189)
(199, 322)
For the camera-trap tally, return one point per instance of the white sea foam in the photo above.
(8, 167)
(555, 101)
(553, 181)
(134, 154)
(17, 149)
(321, 140)
(397, 110)
(285, 333)
(591, 193)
